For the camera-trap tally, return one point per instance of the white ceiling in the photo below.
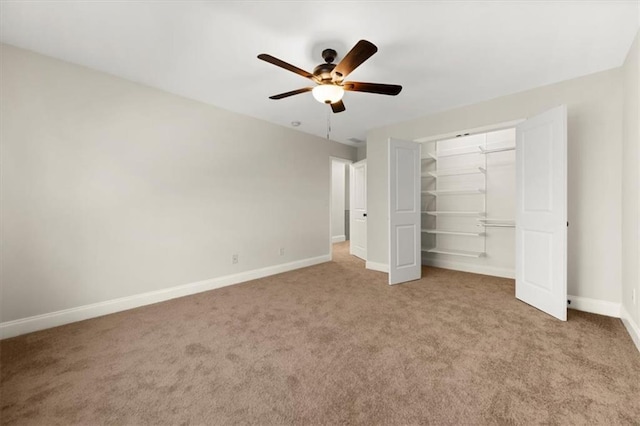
(444, 54)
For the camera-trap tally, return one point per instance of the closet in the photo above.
(493, 202)
(468, 200)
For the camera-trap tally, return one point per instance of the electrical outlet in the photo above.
(234, 258)
(281, 251)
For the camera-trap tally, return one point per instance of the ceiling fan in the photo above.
(329, 77)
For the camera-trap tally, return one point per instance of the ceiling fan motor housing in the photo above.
(323, 72)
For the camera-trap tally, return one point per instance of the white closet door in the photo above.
(541, 212)
(405, 262)
(358, 207)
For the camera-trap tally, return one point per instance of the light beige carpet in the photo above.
(329, 344)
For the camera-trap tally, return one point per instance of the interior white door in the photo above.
(358, 213)
(405, 260)
(541, 212)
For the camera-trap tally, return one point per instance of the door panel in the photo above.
(541, 212)
(404, 211)
(404, 243)
(358, 209)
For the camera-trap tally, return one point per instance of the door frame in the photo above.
(346, 163)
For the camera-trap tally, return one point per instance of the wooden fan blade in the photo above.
(282, 64)
(291, 93)
(362, 51)
(381, 89)
(337, 107)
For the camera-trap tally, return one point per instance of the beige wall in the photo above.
(595, 133)
(111, 189)
(631, 182)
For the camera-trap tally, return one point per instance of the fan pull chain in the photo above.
(328, 124)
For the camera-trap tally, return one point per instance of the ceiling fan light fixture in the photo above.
(328, 93)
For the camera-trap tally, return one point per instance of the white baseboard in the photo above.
(594, 306)
(631, 326)
(338, 239)
(475, 269)
(375, 266)
(66, 316)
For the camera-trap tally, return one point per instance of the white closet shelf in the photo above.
(454, 252)
(430, 156)
(454, 191)
(497, 223)
(444, 232)
(456, 172)
(492, 150)
(448, 213)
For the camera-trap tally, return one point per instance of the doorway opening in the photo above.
(469, 202)
(339, 205)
